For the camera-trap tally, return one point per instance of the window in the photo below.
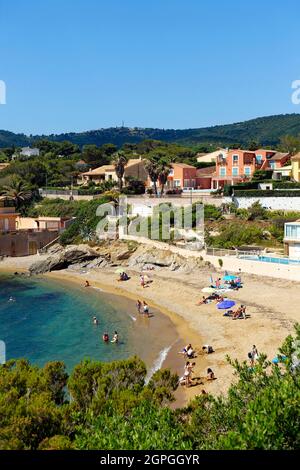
(258, 159)
(292, 231)
(272, 165)
(235, 172)
(186, 183)
(222, 171)
(235, 159)
(247, 170)
(177, 183)
(171, 172)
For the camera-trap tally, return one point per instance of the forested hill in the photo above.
(265, 130)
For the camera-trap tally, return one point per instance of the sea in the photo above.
(46, 320)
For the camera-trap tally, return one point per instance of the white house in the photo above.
(292, 239)
(27, 152)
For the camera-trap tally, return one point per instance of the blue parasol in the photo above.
(226, 304)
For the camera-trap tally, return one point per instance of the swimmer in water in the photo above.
(87, 284)
(115, 338)
(105, 337)
(11, 299)
(95, 321)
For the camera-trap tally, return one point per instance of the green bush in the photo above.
(237, 234)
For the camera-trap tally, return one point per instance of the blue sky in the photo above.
(74, 65)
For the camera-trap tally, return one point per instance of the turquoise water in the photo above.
(49, 320)
(269, 259)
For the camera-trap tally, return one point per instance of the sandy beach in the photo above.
(272, 306)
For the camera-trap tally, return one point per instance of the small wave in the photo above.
(98, 288)
(158, 363)
(132, 318)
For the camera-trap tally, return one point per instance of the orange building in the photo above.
(235, 166)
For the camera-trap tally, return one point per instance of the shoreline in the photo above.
(272, 305)
(173, 360)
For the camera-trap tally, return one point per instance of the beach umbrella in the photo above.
(229, 278)
(208, 290)
(119, 271)
(226, 304)
(278, 359)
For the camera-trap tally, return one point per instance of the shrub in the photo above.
(220, 261)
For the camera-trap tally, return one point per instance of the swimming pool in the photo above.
(270, 259)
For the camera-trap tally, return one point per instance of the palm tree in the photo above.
(17, 192)
(164, 168)
(152, 167)
(119, 161)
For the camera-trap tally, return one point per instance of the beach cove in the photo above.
(271, 303)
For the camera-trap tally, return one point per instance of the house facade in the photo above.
(184, 176)
(239, 165)
(23, 236)
(295, 161)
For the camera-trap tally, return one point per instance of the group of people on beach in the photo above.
(190, 353)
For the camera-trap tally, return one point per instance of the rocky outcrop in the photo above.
(147, 257)
(61, 259)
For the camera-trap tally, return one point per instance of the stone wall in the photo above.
(24, 243)
(273, 203)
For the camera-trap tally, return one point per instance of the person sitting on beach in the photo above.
(203, 301)
(105, 337)
(233, 285)
(210, 374)
(123, 277)
(236, 314)
(95, 321)
(87, 284)
(207, 349)
(185, 349)
(115, 338)
(190, 352)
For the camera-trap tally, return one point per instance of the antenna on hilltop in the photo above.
(122, 123)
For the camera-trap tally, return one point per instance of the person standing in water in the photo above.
(139, 305)
(115, 338)
(105, 337)
(95, 321)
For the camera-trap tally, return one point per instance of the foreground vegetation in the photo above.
(109, 406)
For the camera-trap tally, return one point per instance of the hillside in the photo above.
(265, 130)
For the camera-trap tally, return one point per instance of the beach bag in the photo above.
(250, 355)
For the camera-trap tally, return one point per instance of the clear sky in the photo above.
(74, 65)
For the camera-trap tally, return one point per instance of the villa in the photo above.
(292, 239)
(236, 166)
(134, 168)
